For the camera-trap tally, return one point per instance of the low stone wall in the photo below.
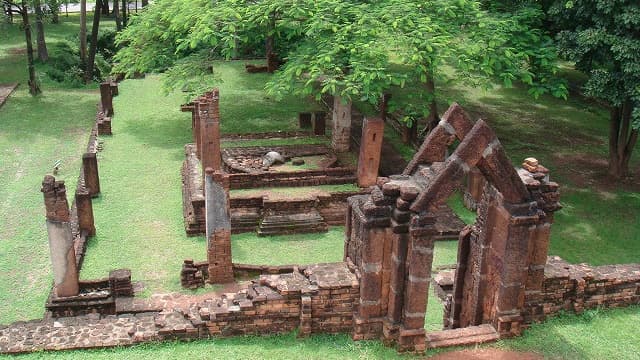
(319, 299)
(330, 176)
(570, 287)
(578, 287)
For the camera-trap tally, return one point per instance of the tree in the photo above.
(352, 49)
(93, 46)
(23, 10)
(43, 54)
(602, 37)
(83, 32)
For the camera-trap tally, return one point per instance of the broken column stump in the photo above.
(91, 177)
(218, 227)
(106, 99)
(84, 207)
(210, 133)
(63, 255)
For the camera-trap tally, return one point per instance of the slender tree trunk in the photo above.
(55, 11)
(83, 32)
(433, 118)
(116, 14)
(34, 87)
(622, 140)
(88, 74)
(104, 7)
(144, 3)
(125, 11)
(43, 54)
(272, 61)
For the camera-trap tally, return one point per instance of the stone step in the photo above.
(464, 336)
(279, 224)
(244, 222)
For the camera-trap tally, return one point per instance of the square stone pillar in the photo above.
(106, 99)
(419, 261)
(218, 227)
(63, 255)
(341, 133)
(198, 110)
(370, 148)
(90, 171)
(473, 192)
(210, 156)
(84, 207)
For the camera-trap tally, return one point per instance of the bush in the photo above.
(65, 67)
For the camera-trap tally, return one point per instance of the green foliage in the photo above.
(602, 38)
(64, 64)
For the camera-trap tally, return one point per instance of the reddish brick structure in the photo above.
(370, 147)
(210, 131)
(390, 236)
(106, 99)
(341, 133)
(90, 173)
(218, 222)
(63, 256)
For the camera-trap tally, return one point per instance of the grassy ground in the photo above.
(34, 134)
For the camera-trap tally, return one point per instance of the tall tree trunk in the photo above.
(83, 32)
(55, 11)
(116, 15)
(125, 10)
(272, 61)
(93, 46)
(34, 87)
(145, 3)
(622, 140)
(43, 54)
(433, 118)
(104, 6)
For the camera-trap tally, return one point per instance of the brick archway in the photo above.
(390, 236)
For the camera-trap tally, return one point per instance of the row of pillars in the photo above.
(58, 220)
(205, 122)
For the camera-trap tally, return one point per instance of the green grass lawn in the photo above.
(34, 134)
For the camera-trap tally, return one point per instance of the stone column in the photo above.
(341, 136)
(218, 227)
(210, 134)
(197, 128)
(84, 208)
(473, 192)
(90, 170)
(370, 148)
(106, 99)
(63, 256)
(419, 261)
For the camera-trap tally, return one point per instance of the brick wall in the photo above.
(577, 287)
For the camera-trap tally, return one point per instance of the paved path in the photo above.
(5, 91)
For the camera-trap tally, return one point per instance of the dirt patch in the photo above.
(590, 170)
(5, 91)
(487, 354)
(17, 51)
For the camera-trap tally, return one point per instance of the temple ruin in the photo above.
(502, 282)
